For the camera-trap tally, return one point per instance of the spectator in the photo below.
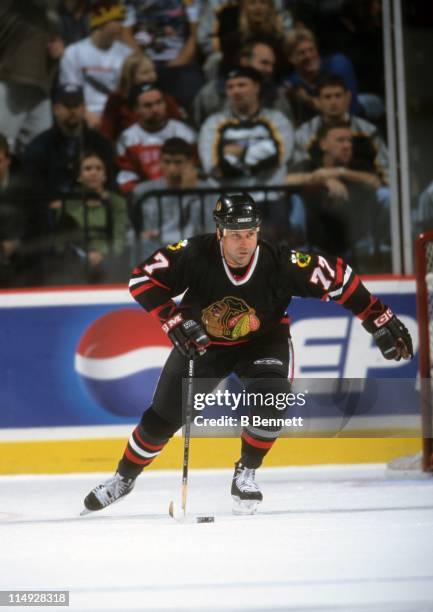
(309, 67)
(340, 210)
(172, 218)
(167, 31)
(225, 26)
(423, 214)
(73, 20)
(333, 104)
(139, 147)
(118, 112)
(30, 49)
(258, 54)
(95, 62)
(246, 144)
(19, 225)
(258, 19)
(91, 227)
(354, 28)
(52, 158)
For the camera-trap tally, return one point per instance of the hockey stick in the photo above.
(187, 438)
(186, 444)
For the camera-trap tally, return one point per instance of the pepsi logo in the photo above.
(119, 359)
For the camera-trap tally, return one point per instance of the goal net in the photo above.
(424, 282)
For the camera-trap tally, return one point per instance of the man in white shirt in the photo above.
(95, 62)
(139, 146)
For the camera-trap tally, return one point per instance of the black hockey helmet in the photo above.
(236, 212)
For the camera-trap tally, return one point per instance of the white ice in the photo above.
(344, 538)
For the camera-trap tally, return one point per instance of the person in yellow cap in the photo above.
(95, 62)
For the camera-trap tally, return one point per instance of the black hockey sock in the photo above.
(145, 443)
(254, 449)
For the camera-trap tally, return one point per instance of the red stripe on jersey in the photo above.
(135, 459)
(346, 295)
(285, 320)
(146, 445)
(159, 284)
(137, 271)
(155, 312)
(142, 289)
(367, 311)
(257, 443)
(339, 272)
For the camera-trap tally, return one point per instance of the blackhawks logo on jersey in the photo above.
(230, 318)
(178, 245)
(300, 259)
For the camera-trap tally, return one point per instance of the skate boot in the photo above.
(108, 492)
(246, 494)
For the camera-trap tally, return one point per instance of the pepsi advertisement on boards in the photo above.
(92, 356)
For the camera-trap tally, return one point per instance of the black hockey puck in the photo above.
(205, 519)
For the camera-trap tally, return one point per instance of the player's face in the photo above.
(305, 57)
(263, 59)
(173, 168)
(151, 110)
(338, 145)
(238, 246)
(242, 93)
(334, 102)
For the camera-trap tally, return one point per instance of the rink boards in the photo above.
(78, 367)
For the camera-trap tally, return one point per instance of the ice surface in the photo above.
(326, 538)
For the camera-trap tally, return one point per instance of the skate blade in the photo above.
(85, 511)
(180, 517)
(244, 506)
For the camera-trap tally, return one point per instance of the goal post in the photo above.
(424, 300)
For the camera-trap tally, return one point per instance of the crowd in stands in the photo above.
(118, 116)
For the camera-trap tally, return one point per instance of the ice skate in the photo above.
(246, 494)
(108, 492)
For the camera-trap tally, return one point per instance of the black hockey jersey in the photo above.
(236, 309)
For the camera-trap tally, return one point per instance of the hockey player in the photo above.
(232, 319)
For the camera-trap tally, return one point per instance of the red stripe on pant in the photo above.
(131, 457)
(257, 443)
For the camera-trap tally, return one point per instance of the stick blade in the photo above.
(180, 517)
(171, 509)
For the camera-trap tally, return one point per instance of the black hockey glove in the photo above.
(188, 337)
(391, 337)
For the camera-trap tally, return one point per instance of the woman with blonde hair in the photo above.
(260, 18)
(118, 114)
